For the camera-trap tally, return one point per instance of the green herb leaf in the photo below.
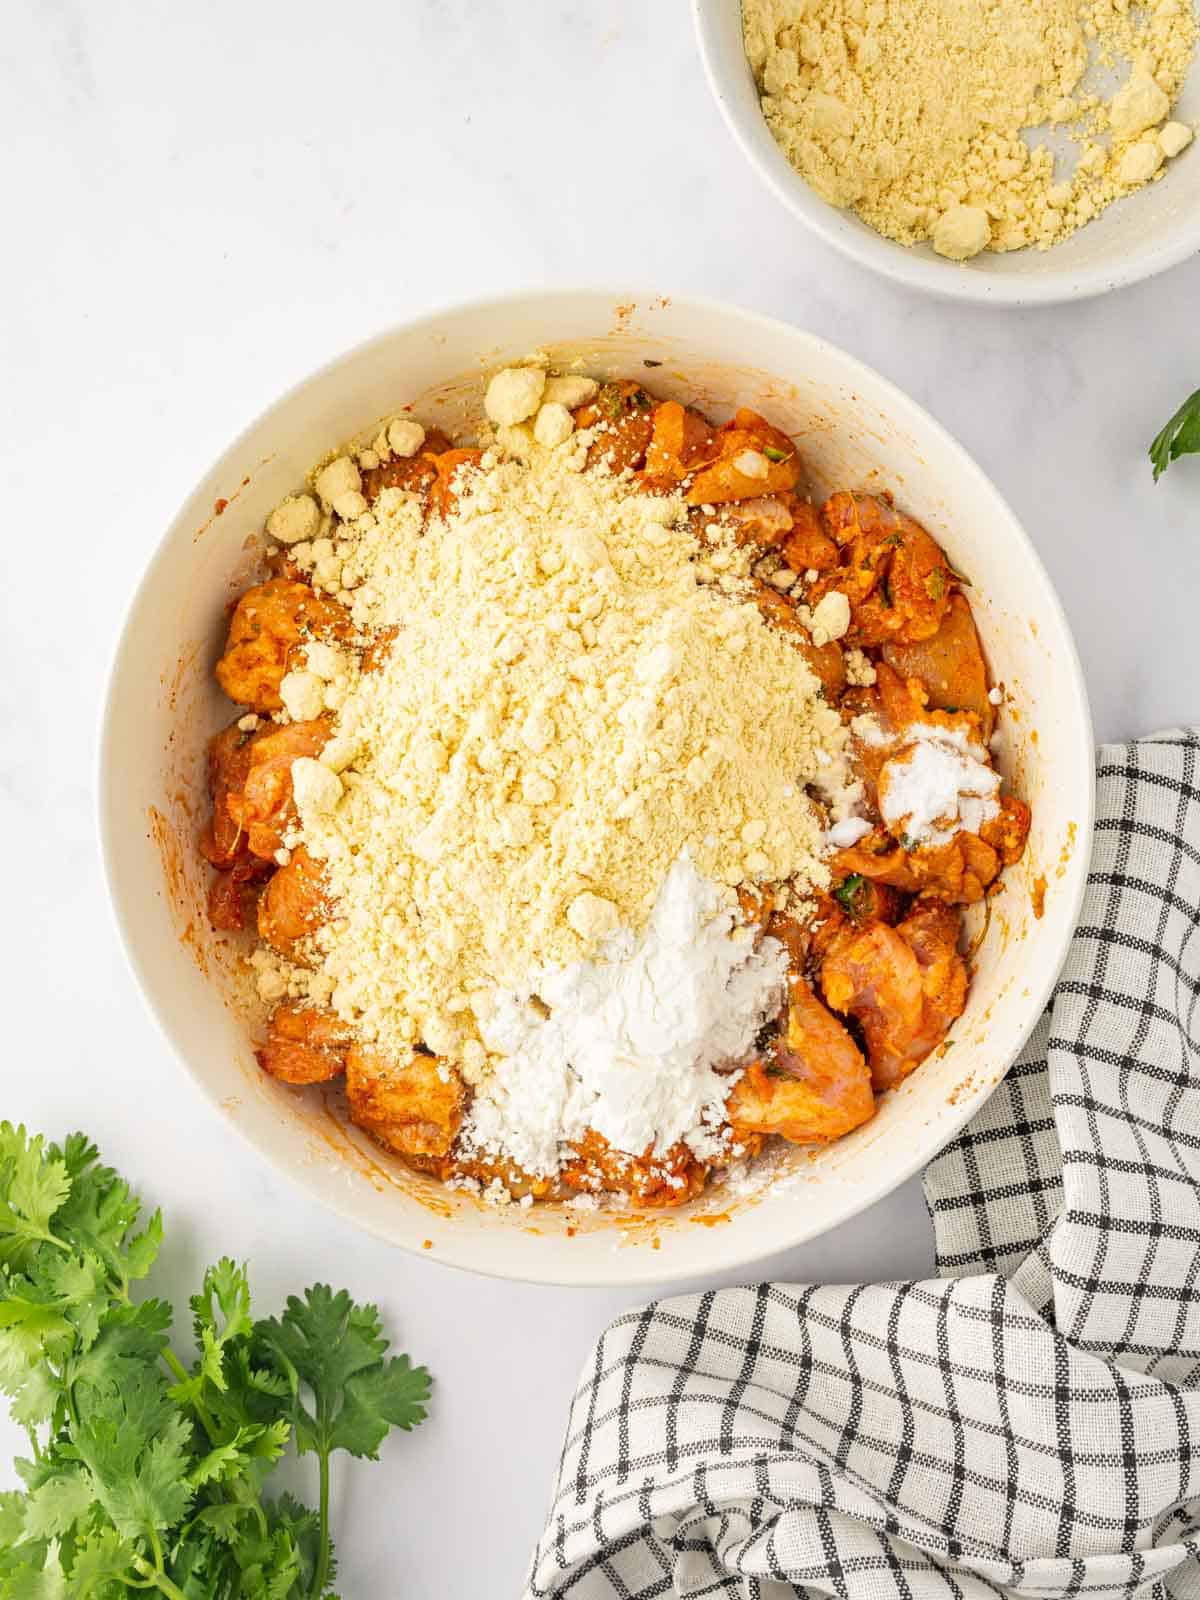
(54, 1507)
(12, 1517)
(102, 1558)
(1180, 437)
(394, 1395)
(773, 454)
(848, 892)
(231, 1459)
(331, 1350)
(32, 1188)
(137, 1457)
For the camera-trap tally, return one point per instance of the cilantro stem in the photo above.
(156, 1578)
(180, 1371)
(321, 1569)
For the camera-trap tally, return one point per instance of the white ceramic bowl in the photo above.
(1143, 234)
(854, 430)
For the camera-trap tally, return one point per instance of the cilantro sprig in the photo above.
(147, 1473)
(1180, 437)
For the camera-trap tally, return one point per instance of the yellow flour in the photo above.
(564, 710)
(910, 112)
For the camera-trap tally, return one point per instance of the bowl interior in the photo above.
(1152, 229)
(853, 430)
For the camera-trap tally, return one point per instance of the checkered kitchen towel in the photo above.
(1026, 1424)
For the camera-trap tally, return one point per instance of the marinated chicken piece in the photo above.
(828, 926)
(950, 665)
(294, 904)
(649, 1179)
(413, 1106)
(443, 492)
(807, 548)
(680, 440)
(231, 890)
(894, 575)
(826, 660)
(621, 414)
(812, 1086)
(304, 1045)
(264, 806)
(268, 632)
(794, 938)
(958, 872)
(515, 1179)
(230, 753)
(1007, 833)
(755, 459)
(223, 841)
(416, 473)
(766, 520)
(904, 986)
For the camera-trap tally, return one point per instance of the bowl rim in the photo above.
(725, 1252)
(900, 264)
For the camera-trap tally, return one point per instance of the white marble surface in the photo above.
(201, 204)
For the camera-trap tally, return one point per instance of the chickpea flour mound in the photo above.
(565, 712)
(910, 112)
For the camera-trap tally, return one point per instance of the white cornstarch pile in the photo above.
(568, 730)
(627, 1045)
(937, 785)
(913, 112)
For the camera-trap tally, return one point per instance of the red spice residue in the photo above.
(1037, 895)
(713, 1219)
(219, 506)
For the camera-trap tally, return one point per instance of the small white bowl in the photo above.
(1150, 230)
(853, 430)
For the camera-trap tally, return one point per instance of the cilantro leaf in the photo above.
(1180, 437)
(56, 1505)
(248, 1445)
(101, 1559)
(33, 1186)
(331, 1350)
(227, 1291)
(303, 1528)
(12, 1517)
(319, 1344)
(100, 1211)
(27, 1581)
(390, 1396)
(139, 1479)
(34, 1393)
(344, 1395)
(220, 1317)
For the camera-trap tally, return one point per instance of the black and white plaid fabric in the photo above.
(1026, 1424)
